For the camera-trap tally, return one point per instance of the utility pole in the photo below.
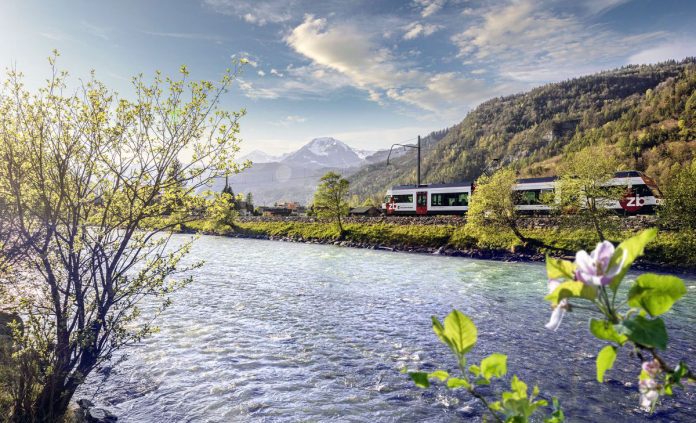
(417, 147)
(419, 156)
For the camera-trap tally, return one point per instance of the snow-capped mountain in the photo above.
(364, 154)
(258, 156)
(324, 152)
(294, 176)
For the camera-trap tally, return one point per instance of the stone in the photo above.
(100, 415)
(85, 403)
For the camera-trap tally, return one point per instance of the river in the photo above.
(275, 331)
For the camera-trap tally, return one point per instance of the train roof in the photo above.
(623, 174)
(414, 186)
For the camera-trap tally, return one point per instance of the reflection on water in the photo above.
(276, 331)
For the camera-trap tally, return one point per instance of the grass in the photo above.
(671, 249)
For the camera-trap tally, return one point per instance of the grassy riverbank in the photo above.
(671, 250)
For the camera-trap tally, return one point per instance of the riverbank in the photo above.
(671, 252)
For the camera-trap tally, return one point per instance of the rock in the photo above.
(100, 415)
(85, 403)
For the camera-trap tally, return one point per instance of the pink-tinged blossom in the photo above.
(593, 268)
(648, 387)
(652, 367)
(560, 310)
(649, 393)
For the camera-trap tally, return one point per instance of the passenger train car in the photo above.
(642, 195)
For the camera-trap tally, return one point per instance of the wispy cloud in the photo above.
(370, 67)
(526, 40)
(97, 31)
(188, 36)
(673, 49)
(417, 29)
(429, 7)
(255, 12)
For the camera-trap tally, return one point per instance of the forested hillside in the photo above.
(646, 113)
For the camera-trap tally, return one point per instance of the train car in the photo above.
(533, 194)
(427, 199)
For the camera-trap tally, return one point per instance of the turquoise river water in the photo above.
(274, 331)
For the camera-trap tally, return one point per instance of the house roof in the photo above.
(363, 209)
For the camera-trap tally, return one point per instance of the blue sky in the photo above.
(367, 72)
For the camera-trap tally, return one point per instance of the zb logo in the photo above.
(632, 203)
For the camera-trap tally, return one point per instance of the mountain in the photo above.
(647, 114)
(258, 156)
(294, 176)
(325, 152)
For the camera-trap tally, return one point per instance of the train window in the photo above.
(403, 198)
(528, 197)
(450, 199)
(642, 190)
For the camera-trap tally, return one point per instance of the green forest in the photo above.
(646, 114)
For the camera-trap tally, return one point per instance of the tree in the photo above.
(583, 189)
(331, 199)
(679, 210)
(492, 205)
(82, 174)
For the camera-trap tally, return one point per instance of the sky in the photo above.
(367, 72)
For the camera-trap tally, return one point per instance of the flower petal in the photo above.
(557, 316)
(585, 263)
(603, 253)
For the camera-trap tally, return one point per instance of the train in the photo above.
(642, 196)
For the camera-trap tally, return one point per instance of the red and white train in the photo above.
(642, 196)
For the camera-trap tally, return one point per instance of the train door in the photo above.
(422, 202)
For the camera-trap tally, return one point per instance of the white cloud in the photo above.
(295, 119)
(601, 6)
(676, 49)
(261, 73)
(301, 83)
(526, 40)
(429, 7)
(255, 12)
(416, 29)
(187, 35)
(353, 53)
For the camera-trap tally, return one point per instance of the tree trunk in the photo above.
(51, 404)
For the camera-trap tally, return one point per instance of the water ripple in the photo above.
(295, 332)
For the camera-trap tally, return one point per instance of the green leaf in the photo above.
(655, 293)
(572, 289)
(455, 382)
(559, 269)
(420, 379)
(441, 375)
(605, 361)
(518, 387)
(495, 365)
(629, 251)
(475, 370)
(460, 331)
(605, 330)
(440, 332)
(649, 333)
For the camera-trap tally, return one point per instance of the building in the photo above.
(364, 211)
